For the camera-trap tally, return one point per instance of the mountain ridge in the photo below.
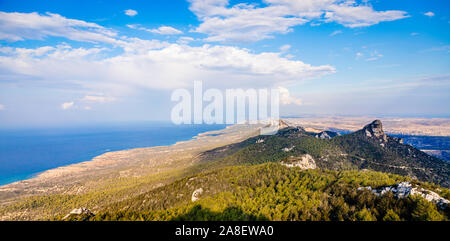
(367, 148)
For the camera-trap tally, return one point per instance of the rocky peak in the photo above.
(326, 135)
(375, 129)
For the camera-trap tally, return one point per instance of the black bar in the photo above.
(221, 230)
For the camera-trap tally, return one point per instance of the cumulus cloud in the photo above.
(429, 14)
(352, 15)
(21, 26)
(154, 68)
(67, 105)
(287, 99)
(143, 64)
(249, 22)
(165, 30)
(131, 12)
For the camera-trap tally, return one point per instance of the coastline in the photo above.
(25, 177)
(131, 163)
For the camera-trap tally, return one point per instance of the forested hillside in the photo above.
(274, 192)
(368, 148)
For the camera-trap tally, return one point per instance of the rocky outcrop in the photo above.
(196, 194)
(288, 149)
(305, 161)
(293, 132)
(375, 130)
(79, 214)
(405, 189)
(326, 135)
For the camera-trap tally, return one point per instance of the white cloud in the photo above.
(429, 14)
(352, 15)
(154, 68)
(241, 22)
(131, 12)
(151, 64)
(20, 26)
(248, 22)
(67, 105)
(414, 34)
(287, 99)
(165, 30)
(2, 107)
(88, 99)
(185, 40)
(336, 32)
(285, 47)
(97, 98)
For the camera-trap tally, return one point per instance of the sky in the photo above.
(71, 62)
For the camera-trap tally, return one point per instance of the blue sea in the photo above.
(27, 152)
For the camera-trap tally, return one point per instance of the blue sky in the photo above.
(67, 62)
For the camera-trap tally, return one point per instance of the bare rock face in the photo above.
(196, 194)
(288, 149)
(375, 132)
(79, 214)
(326, 135)
(374, 129)
(304, 162)
(405, 189)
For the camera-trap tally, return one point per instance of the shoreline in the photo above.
(34, 175)
(126, 165)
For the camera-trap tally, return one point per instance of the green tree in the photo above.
(391, 216)
(365, 215)
(426, 211)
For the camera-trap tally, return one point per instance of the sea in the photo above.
(25, 153)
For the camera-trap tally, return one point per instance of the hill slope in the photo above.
(368, 148)
(274, 192)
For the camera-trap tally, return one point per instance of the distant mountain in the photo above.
(380, 152)
(369, 148)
